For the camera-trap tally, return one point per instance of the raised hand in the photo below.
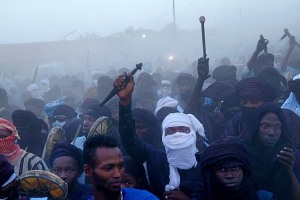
(125, 84)
(287, 157)
(261, 44)
(203, 68)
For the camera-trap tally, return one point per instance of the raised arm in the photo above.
(134, 146)
(261, 45)
(283, 64)
(194, 101)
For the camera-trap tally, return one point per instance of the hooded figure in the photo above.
(269, 140)
(227, 171)
(147, 127)
(30, 130)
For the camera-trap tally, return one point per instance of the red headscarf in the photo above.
(8, 146)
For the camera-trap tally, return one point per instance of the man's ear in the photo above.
(88, 170)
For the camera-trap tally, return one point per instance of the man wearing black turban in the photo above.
(253, 92)
(66, 161)
(226, 172)
(225, 72)
(62, 114)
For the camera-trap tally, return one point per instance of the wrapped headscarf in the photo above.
(65, 110)
(67, 149)
(224, 72)
(8, 146)
(229, 150)
(255, 88)
(180, 147)
(216, 90)
(167, 102)
(87, 103)
(97, 111)
(6, 125)
(223, 150)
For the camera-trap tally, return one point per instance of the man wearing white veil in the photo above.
(170, 173)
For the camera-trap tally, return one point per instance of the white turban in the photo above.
(181, 119)
(167, 102)
(180, 147)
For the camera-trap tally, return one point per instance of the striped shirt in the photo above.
(79, 142)
(29, 161)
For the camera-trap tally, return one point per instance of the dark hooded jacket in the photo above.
(217, 155)
(153, 159)
(268, 173)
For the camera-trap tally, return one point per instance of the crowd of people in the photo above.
(211, 135)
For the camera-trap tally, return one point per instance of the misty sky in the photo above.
(41, 20)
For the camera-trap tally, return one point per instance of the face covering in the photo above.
(10, 149)
(247, 113)
(8, 145)
(230, 112)
(180, 150)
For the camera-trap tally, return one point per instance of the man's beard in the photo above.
(108, 193)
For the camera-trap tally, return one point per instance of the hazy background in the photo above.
(109, 33)
(41, 20)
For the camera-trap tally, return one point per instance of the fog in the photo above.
(87, 35)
